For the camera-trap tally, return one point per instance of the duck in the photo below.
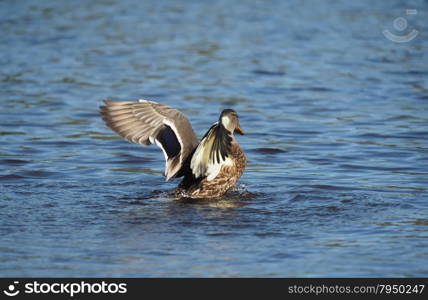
(209, 167)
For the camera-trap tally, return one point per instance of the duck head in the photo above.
(229, 119)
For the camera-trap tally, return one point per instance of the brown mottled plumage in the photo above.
(209, 168)
(223, 182)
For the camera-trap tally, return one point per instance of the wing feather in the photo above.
(212, 153)
(147, 122)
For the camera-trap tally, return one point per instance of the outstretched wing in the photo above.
(212, 153)
(147, 122)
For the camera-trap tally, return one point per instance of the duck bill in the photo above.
(239, 130)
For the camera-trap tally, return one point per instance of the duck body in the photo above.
(191, 187)
(209, 167)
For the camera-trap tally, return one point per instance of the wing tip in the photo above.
(107, 103)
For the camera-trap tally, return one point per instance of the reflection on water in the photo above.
(336, 118)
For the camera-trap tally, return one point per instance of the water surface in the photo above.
(336, 118)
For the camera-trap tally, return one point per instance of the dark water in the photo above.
(336, 117)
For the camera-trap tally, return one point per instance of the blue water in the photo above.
(336, 117)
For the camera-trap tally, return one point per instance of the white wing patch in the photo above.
(201, 164)
(214, 169)
(200, 159)
(164, 154)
